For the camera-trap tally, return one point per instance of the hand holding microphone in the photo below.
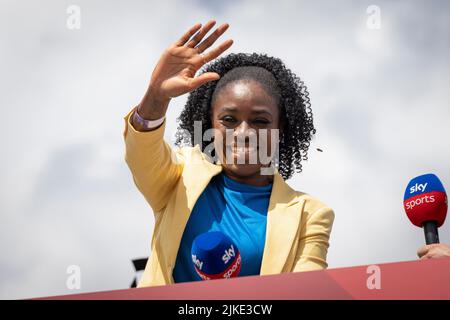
(434, 251)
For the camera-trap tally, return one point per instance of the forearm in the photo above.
(150, 108)
(153, 163)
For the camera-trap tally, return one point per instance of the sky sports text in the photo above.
(228, 254)
(231, 271)
(416, 202)
(418, 187)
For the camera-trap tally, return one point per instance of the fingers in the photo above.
(422, 251)
(212, 38)
(199, 36)
(437, 250)
(214, 53)
(202, 79)
(188, 34)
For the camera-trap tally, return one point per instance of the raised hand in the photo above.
(175, 71)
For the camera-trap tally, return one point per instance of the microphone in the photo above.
(425, 204)
(215, 256)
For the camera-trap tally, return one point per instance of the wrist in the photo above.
(152, 106)
(141, 124)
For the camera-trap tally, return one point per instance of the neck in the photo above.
(255, 180)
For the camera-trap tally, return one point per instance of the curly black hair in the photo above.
(290, 92)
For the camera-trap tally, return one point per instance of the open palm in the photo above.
(175, 71)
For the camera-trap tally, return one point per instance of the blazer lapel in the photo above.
(283, 216)
(196, 176)
(198, 173)
(283, 221)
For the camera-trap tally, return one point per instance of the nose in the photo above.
(243, 132)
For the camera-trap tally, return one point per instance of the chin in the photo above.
(243, 170)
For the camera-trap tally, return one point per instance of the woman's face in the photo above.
(243, 110)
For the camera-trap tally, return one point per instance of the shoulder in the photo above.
(309, 204)
(313, 206)
(192, 155)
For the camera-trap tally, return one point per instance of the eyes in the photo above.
(230, 121)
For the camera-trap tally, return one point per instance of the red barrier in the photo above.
(423, 279)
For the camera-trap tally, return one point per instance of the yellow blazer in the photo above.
(172, 179)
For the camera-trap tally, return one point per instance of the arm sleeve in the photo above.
(313, 241)
(155, 166)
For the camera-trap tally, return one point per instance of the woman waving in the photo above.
(245, 129)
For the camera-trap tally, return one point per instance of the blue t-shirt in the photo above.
(236, 209)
